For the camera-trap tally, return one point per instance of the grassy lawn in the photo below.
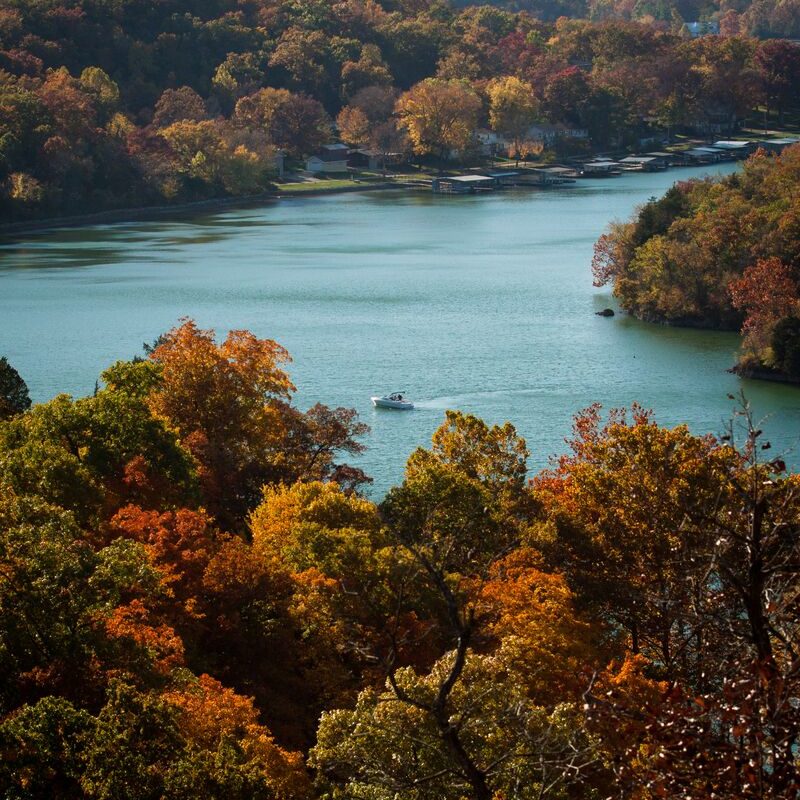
(329, 185)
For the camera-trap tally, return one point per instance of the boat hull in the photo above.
(396, 405)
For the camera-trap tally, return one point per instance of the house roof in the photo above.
(331, 155)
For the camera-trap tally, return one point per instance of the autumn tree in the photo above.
(353, 125)
(767, 292)
(294, 122)
(369, 70)
(200, 740)
(221, 156)
(58, 597)
(512, 109)
(496, 743)
(440, 116)
(179, 105)
(731, 731)
(92, 455)
(369, 120)
(778, 65)
(453, 514)
(14, 397)
(225, 402)
(619, 502)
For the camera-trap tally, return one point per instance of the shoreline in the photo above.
(10, 230)
(763, 374)
(742, 372)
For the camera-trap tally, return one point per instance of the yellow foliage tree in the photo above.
(439, 115)
(512, 109)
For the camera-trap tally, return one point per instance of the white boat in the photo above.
(396, 401)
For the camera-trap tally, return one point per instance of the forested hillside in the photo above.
(196, 601)
(719, 253)
(105, 105)
(762, 18)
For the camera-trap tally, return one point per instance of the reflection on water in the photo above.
(483, 303)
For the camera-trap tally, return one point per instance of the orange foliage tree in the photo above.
(230, 403)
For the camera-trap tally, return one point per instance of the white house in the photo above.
(490, 142)
(331, 158)
(547, 134)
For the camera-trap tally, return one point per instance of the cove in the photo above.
(481, 303)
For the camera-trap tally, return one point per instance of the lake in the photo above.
(481, 303)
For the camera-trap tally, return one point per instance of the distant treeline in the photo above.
(114, 105)
(721, 253)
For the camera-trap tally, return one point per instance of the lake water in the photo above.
(481, 303)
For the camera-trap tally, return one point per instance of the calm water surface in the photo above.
(479, 303)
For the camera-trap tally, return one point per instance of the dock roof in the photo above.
(638, 159)
(729, 144)
(468, 178)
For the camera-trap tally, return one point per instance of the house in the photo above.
(330, 158)
(548, 134)
(490, 143)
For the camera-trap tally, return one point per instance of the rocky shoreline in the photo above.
(764, 374)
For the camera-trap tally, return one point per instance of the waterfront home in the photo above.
(330, 158)
(490, 143)
(548, 134)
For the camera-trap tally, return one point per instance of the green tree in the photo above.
(56, 594)
(14, 397)
(92, 455)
